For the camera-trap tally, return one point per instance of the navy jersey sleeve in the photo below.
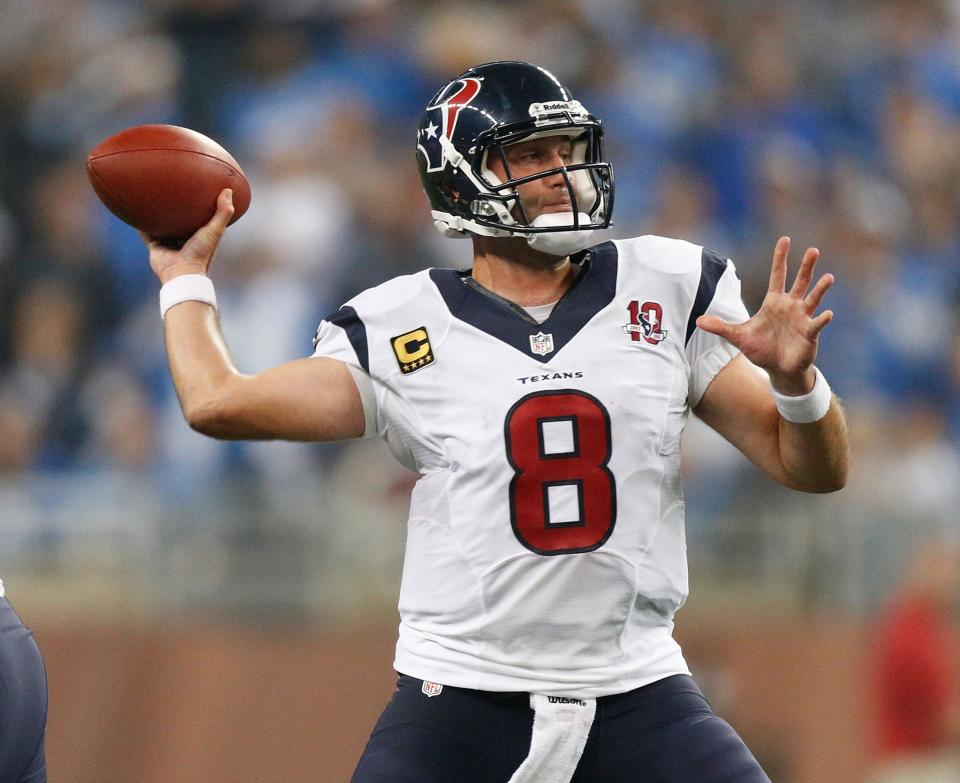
(718, 293)
(343, 336)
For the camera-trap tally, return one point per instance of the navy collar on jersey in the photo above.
(591, 291)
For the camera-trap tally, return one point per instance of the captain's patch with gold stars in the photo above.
(413, 350)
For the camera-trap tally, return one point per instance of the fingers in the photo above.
(717, 326)
(221, 218)
(204, 242)
(155, 242)
(211, 232)
(816, 325)
(778, 271)
(815, 297)
(805, 273)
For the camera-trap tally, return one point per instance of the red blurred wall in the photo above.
(217, 704)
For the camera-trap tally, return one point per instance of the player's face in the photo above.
(544, 195)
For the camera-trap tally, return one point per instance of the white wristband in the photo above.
(808, 407)
(187, 288)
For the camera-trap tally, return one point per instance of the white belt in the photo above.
(560, 728)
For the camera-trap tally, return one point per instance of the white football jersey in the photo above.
(545, 544)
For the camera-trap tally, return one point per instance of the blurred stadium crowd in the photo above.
(728, 124)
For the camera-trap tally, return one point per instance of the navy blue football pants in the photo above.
(23, 702)
(665, 732)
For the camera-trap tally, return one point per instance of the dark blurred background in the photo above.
(225, 612)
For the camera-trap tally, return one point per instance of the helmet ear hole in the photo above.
(450, 194)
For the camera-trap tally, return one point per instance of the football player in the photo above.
(541, 396)
(23, 701)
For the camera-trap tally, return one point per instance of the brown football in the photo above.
(164, 179)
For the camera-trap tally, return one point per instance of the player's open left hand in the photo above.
(195, 255)
(782, 336)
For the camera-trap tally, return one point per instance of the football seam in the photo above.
(169, 149)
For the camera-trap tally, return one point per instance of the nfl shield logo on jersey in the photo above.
(432, 688)
(541, 343)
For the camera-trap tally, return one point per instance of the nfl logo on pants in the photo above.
(431, 688)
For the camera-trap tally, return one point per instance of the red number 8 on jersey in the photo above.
(563, 497)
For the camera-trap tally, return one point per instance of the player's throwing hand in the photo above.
(197, 252)
(782, 336)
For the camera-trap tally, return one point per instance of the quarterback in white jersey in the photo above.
(541, 397)
(545, 544)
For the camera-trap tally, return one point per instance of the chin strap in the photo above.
(555, 243)
(560, 243)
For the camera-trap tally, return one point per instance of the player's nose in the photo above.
(556, 159)
(555, 164)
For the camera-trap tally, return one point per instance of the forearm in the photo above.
(812, 457)
(200, 363)
(310, 399)
(815, 456)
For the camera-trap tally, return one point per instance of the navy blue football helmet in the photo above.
(485, 109)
